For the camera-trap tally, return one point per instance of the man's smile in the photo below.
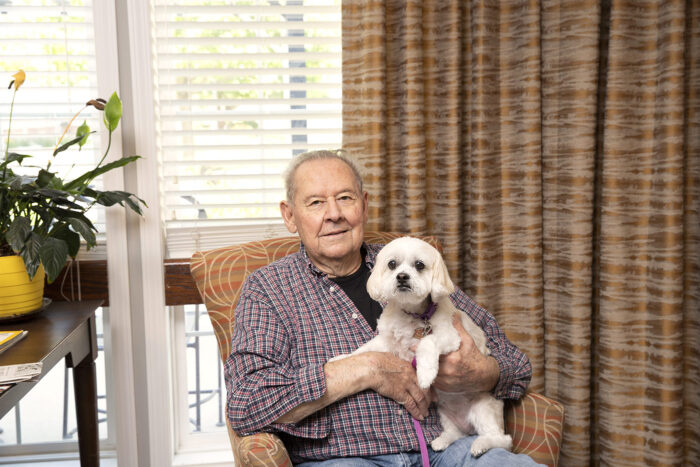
(335, 234)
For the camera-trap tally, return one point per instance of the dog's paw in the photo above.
(441, 442)
(479, 446)
(483, 443)
(425, 376)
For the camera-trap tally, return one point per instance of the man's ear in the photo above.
(442, 285)
(365, 206)
(288, 216)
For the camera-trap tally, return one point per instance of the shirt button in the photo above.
(332, 289)
(354, 316)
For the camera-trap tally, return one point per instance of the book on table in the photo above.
(9, 338)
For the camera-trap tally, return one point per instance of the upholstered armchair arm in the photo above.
(536, 422)
(259, 450)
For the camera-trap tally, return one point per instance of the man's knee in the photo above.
(457, 454)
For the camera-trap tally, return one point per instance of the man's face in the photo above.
(328, 212)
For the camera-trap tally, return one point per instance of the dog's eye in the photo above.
(419, 265)
(392, 265)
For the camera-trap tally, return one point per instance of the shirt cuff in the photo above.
(311, 386)
(505, 380)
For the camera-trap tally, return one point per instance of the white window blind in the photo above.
(53, 42)
(241, 86)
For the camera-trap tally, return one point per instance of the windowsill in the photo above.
(68, 459)
(204, 458)
(209, 458)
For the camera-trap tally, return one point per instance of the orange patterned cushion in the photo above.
(536, 424)
(262, 449)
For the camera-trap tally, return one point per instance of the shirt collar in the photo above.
(367, 255)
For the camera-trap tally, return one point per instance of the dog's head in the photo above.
(408, 270)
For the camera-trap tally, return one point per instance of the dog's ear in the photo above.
(442, 285)
(374, 283)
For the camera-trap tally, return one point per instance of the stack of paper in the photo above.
(8, 338)
(17, 373)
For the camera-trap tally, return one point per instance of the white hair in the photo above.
(296, 162)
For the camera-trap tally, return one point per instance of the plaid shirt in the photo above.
(291, 319)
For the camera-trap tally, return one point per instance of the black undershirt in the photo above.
(355, 287)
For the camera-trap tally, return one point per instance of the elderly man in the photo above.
(299, 312)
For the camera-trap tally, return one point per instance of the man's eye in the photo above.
(419, 265)
(315, 202)
(392, 264)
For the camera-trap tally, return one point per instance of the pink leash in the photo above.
(421, 436)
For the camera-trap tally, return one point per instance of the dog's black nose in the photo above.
(402, 277)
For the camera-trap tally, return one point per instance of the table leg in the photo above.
(85, 386)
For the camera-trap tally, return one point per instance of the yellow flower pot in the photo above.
(19, 295)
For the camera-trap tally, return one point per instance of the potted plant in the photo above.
(42, 216)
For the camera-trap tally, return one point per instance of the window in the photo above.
(54, 43)
(241, 87)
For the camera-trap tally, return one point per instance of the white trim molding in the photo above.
(150, 325)
(120, 404)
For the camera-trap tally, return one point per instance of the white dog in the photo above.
(411, 277)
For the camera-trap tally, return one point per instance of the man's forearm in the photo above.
(343, 378)
(382, 372)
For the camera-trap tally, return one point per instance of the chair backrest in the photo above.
(219, 275)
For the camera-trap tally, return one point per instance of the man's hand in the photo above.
(395, 378)
(466, 369)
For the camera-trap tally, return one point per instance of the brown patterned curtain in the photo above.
(554, 148)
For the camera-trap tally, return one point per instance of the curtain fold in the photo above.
(554, 148)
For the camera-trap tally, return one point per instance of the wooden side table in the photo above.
(63, 330)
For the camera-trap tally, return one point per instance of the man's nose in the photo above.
(333, 211)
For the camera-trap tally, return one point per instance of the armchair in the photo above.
(535, 422)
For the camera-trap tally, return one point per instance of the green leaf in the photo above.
(52, 193)
(30, 254)
(123, 198)
(16, 183)
(44, 178)
(70, 143)
(87, 176)
(83, 131)
(90, 193)
(84, 230)
(14, 157)
(53, 254)
(113, 112)
(18, 232)
(134, 206)
(71, 238)
(64, 214)
(61, 198)
(46, 215)
(67, 216)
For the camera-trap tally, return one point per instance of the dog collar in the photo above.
(426, 315)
